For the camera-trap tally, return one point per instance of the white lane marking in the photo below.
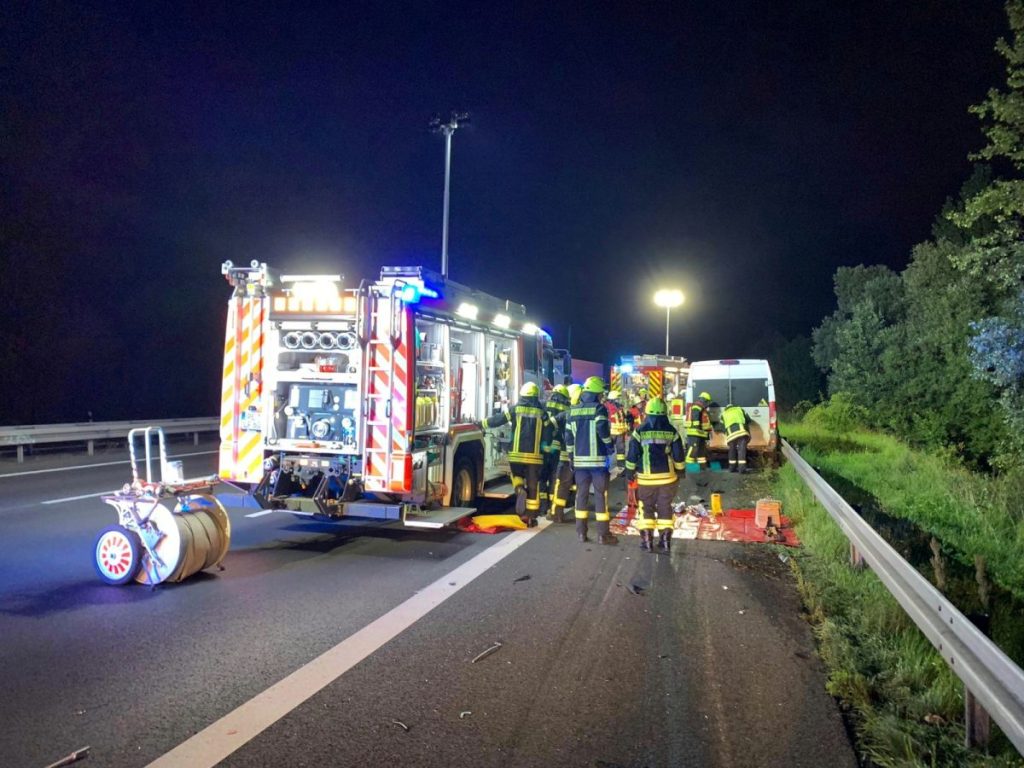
(261, 513)
(100, 464)
(215, 742)
(78, 498)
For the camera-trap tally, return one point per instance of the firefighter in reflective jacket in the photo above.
(698, 430)
(737, 435)
(589, 441)
(556, 406)
(531, 428)
(655, 458)
(617, 424)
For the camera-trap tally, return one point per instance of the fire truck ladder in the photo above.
(378, 378)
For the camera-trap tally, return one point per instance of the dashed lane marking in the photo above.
(237, 728)
(78, 498)
(261, 513)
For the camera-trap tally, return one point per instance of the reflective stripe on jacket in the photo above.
(655, 452)
(587, 434)
(531, 427)
(735, 420)
(698, 424)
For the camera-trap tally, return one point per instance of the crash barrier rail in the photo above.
(993, 684)
(91, 431)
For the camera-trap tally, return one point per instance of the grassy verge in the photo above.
(970, 513)
(906, 706)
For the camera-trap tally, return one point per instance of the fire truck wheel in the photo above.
(463, 483)
(117, 555)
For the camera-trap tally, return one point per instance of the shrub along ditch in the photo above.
(905, 704)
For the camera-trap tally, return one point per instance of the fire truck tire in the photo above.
(463, 482)
(117, 555)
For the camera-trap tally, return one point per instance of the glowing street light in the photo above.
(668, 298)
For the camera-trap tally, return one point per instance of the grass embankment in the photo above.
(906, 705)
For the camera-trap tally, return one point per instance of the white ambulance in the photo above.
(746, 383)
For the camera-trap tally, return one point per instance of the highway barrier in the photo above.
(91, 431)
(993, 683)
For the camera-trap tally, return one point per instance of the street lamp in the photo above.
(456, 121)
(668, 298)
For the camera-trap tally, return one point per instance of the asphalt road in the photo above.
(608, 657)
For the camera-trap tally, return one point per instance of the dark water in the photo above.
(963, 579)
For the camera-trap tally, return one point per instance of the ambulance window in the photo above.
(749, 392)
(717, 388)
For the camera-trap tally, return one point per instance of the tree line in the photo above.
(935, 353)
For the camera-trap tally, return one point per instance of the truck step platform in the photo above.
(498, 491)
(436, 518)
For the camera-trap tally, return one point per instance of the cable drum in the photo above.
(292, 340)
(327, 340)
(194, 537)
(310, 340)
(346, 341)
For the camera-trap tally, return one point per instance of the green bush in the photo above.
(837, 414)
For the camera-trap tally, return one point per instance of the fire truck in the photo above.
(660, 375)
(365, 401)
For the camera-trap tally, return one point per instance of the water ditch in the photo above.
(966, 584)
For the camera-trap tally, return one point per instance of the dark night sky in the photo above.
(741, 151)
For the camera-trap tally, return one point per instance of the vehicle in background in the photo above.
(584, 369)
(746, 383)
(366, 401)
(659, 375)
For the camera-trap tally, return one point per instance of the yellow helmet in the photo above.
(656, 407)
(560, 389)
(529, 389)
(594, 384)
(705, 396)
(614, 394)
(575, 390)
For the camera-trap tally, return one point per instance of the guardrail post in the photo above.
(856, 558)
(91, 444)
(21, 454)
(976, 721)
(195, 438)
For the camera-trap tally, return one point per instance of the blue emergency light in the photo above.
(626, 368)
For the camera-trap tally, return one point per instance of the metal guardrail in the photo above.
(91, 431)
(990, 677)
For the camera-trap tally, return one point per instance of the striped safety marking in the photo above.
(655, 383)
(616, 381)
(241, 452)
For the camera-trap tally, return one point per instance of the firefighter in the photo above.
(617, 425)
(589, 442)
(575, 390)
(654, 459)
(698, 430)
(556, 406)
(532, 428)
(737, 435)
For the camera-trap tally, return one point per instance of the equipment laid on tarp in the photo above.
(742, 525)
(168, 529)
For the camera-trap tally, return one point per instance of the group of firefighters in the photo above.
(570, 443)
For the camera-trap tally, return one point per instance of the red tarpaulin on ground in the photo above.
(731, 525)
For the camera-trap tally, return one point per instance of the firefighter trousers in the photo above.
(548, 480)
(654, 507)
(697, 451)
(620, 450)
(526, 484)
(738, 453)
(598, 478)
(562, 491)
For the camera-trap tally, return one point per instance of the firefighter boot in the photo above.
(647, 540)
(605, 536)
(665, 539)
(581, 530)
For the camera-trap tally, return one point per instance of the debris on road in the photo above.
(525, 577)
(485, 654)
(464, 714)
(784, 558)
(636, 589)
(724, 586)
(400, 724)
(74, 757)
